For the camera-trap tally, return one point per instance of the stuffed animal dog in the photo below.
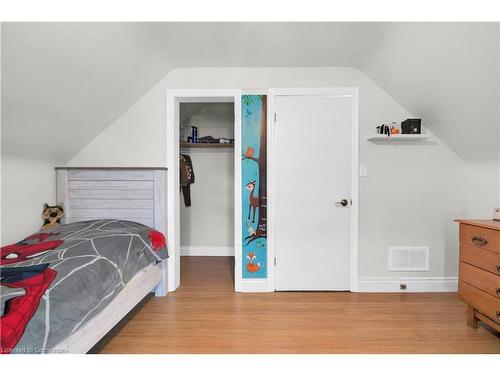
(52, 215)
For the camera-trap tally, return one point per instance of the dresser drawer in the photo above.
(481, 301)
(486, 281)
(484, 238)
(485, 259)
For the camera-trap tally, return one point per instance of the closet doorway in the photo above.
(204, 213)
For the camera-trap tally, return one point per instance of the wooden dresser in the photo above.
(479, 271)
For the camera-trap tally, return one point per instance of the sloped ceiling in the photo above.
(448, 74)
(64, 83)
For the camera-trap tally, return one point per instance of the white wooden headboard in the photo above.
(135, 194)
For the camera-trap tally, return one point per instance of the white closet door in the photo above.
(313, 142)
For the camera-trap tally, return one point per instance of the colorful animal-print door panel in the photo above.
(254, 189)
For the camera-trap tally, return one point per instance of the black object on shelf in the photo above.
(194, 134)
(411, 126)
(384, 129)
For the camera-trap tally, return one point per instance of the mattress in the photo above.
(56, 280)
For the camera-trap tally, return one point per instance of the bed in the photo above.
(64, 288)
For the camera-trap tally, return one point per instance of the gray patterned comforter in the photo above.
(54, 281)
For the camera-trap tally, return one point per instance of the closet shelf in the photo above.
(206, 145)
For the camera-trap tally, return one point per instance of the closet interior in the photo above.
(207, 179)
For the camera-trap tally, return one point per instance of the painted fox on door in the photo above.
(254, 190)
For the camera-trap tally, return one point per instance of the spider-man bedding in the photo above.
(54, 281)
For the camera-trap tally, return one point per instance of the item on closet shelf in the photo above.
(208, 139)
(186, 177)
(496, 213)
(52, 215)
(194, 134)
(411, 126)
(182, 133)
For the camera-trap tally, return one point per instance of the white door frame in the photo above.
(328, 91)
(174, 98)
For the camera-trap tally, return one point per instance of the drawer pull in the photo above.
(498, 268)
(479, 241)
(498, 315)
(498, 292)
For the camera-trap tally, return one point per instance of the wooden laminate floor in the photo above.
(206, 316)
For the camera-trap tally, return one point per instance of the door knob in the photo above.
(342, 203)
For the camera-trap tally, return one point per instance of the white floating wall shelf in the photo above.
(398, 137)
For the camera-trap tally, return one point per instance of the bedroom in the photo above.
(205, 194)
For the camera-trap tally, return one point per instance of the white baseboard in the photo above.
(413, 284)
(209, 251)
(254, 286)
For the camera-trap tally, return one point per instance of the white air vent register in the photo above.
(409, 258)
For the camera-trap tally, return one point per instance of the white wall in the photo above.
(410, 197)
(484, 188)
(207, 226)
(498, 161)
(454, 87)
(26, 185)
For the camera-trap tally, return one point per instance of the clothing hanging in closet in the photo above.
(186, 177)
